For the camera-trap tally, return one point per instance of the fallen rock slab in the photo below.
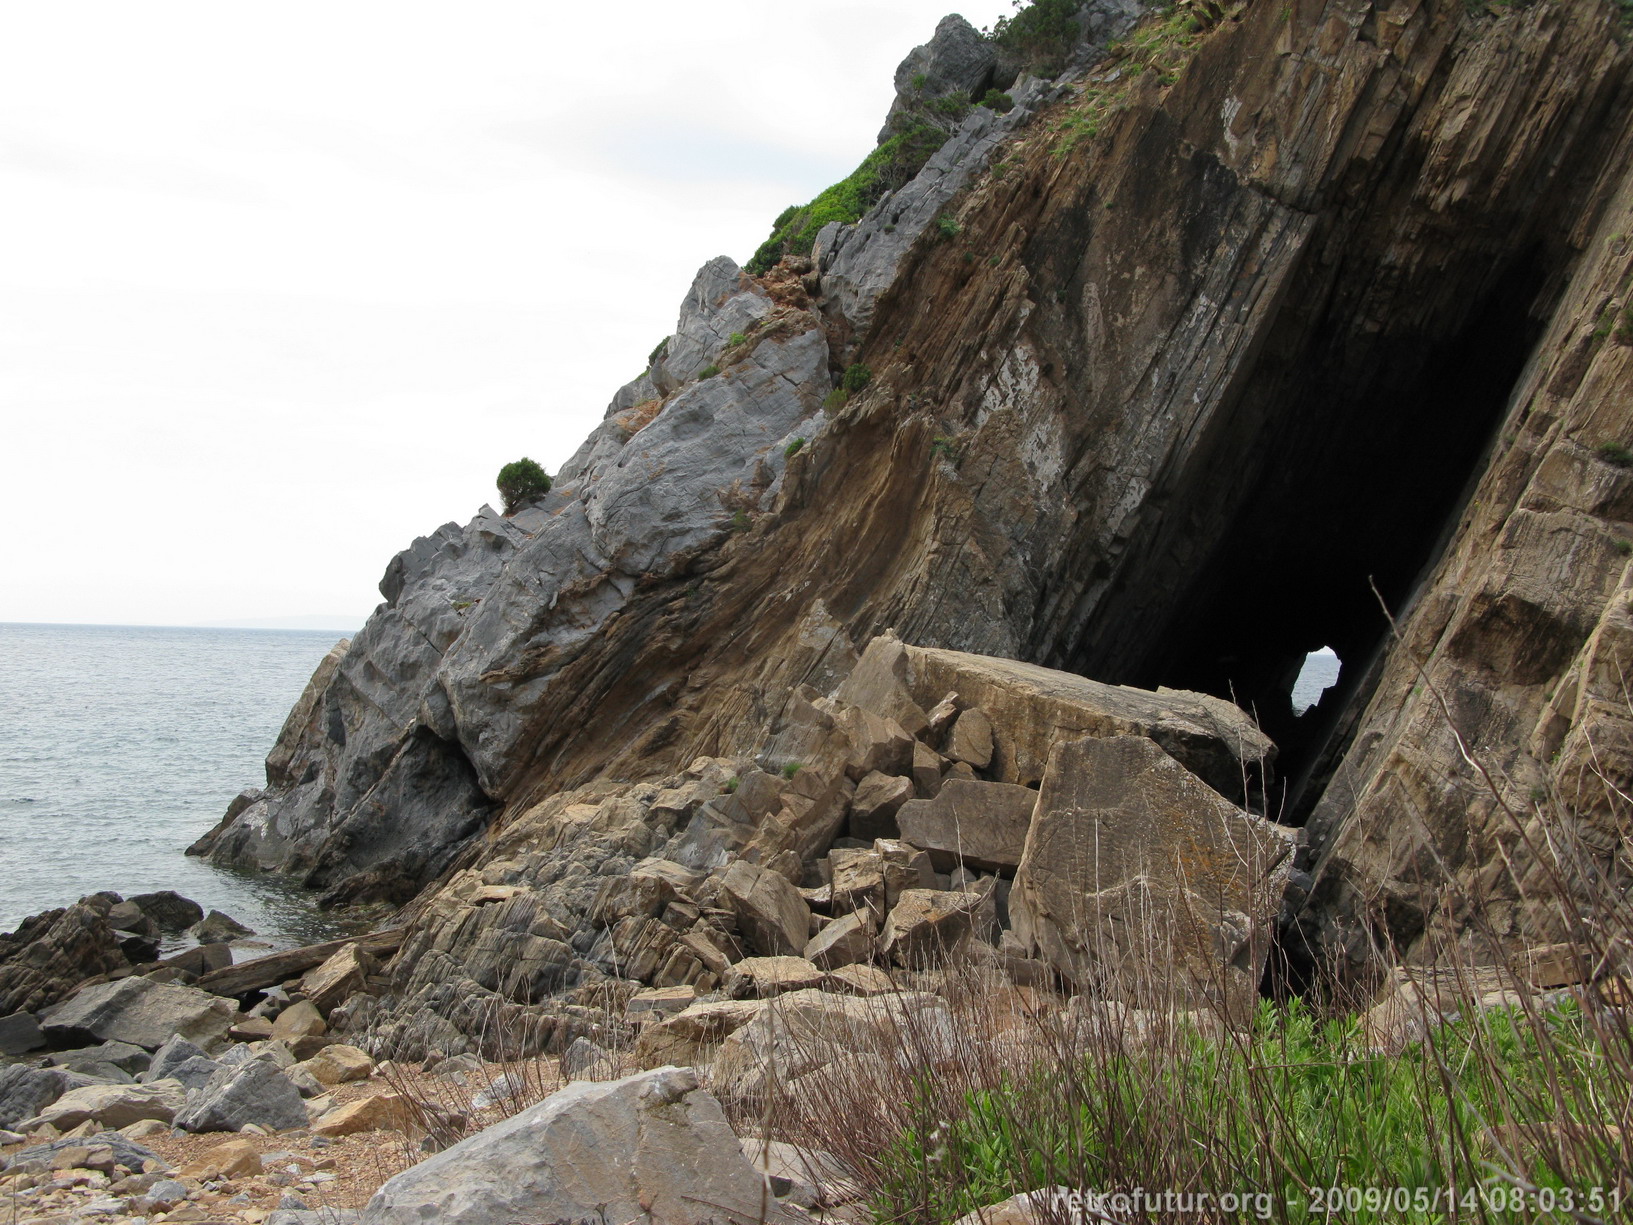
(1140, 878)
(1037, 708)
(141, 1012)
(233, 1159)
(764, 977)
(971, 824)
(338, 1063)
(692, 1036)
(846, 941)
(652, 1147)
(275, 968)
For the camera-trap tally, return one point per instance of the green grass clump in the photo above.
(792, 768)
(736, 338)
(1295, 1105)
(1615, 454)
(856, 378)
(888, 167)
(997, 100)
(1624, 328)
(793, 448)
(708, 372)
(835, 399)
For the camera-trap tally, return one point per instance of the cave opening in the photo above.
(1323, 498)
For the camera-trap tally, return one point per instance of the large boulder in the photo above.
(1140, 879)
(20, 1033)
(141, 1012)
(769, 910)
(928, 926)
(253, 1092)
(340, 976)
(25, 1091)
(51, 953)
(691, 1036)
(111, 1106)
(971, 823)
(1034, 708)
(806, 1030)
(846, 941)
(652, 1147)
(171, 1056)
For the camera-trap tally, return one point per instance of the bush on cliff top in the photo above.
(1041, 33)
(521, 481)
(888, 167)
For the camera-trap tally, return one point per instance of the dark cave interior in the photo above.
(1344, 462)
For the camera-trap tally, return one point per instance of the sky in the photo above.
(282, 287)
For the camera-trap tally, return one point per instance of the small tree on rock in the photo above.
(521, 481)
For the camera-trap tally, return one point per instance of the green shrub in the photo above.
(708, 372)
(737, 338)
(740, 521)
(920, 80)
(521, 481)
(856, 378)
(1624, 329)
(946, 226)
(1041, 33)
(792, 768)
(835, 399)
(793, 448)
(732, 784)
(888, 167)
(994, 100)
(657, 354)
(1615, 454)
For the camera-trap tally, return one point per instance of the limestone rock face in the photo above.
(652, 1146)
(1140, 880)
(407, 737)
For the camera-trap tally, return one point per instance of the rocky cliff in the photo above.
(1259, 320)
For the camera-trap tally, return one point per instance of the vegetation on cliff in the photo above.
(521, 481)
(892, 165)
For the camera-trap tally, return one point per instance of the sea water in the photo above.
(120, 745)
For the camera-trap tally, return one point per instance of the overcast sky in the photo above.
(282, 286)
